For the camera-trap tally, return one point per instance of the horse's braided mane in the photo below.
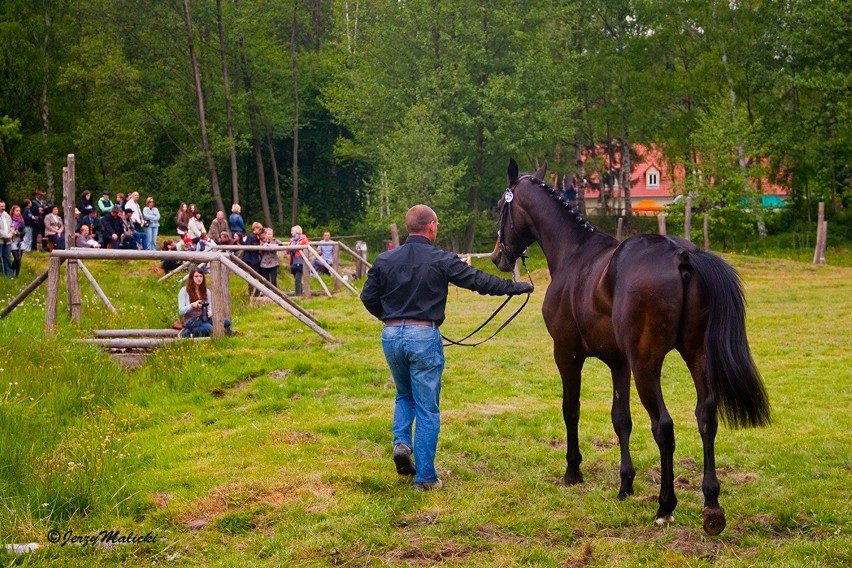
(560, 198)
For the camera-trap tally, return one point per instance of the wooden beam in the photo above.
(357, 256)
(134, 254)
(280, 293)
(24, 293)
(52, 301)
(138, 342)
(275, 298)
(332, 271)
(159, 332)
(182, 266)
(96, 286)
(72, 288)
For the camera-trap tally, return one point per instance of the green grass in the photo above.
(278, 444)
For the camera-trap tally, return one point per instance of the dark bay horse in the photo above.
(629, 304)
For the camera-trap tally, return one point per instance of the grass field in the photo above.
(273, 448)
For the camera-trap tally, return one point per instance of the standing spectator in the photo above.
(326, 250)
(407, 289)
(29, 225)
(182, 219)
(195, 227)
(18, 227)
(6, 234)
(54, 228)
(120, 200)
(105, 204)
(113, 227)
(252, 257)
(152, 216)
(139, 223)
(84, 239)
(297, 260)
(195, 308)
(219, 225)
(86, 200)
(39, 212)
(269, 259)
(238, 226)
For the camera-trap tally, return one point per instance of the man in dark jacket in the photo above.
(407, 289)
(113, 225)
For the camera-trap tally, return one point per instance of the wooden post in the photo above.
(96, 286)
(69, 190)
(306, 276)
(360, 259)
(619, 228)
(706, 231)
(52, 301)
(332, 270)
(661, 223)
(24, 293)
(226, 290)
(72, 288)
(394, 235)
(277, 291)
(819, 249)
(217, 300)
(687, 220)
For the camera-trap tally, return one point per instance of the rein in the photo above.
(460, 342)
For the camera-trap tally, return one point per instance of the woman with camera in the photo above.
(194, 307)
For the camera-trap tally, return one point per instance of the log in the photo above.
(819, 249)
(72, 289)
(217, 300)
(135, 332)
(687, 220)
(133, 254)
(138, 342)
(280, 293)
(96, 286)
(24, 293)
(619, 228)
(661, 223)
(183, 266)
(332, 271)
(275, 298)
(52, 301)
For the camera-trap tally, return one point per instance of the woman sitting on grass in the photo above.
(194, 306)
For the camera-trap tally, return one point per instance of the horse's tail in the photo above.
(730, 372)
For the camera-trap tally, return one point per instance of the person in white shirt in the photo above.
(195, 227)
(6, 234)
(132, 204)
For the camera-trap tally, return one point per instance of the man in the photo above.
(39, 211)
(105, 204)
(6, 234)
(113, 226)
(129, 235)
(326, 250)
(136, 219)
(407, 289)
(219, 225)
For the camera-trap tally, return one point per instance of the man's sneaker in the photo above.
(433, 486)
(402, 459)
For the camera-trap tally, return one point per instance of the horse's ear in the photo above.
(539, 174)
(513, 171)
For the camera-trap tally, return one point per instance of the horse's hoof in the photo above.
(573, 478)
(714, 520)
(661, 521)
(622, 495)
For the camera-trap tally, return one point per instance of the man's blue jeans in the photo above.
(416, 360)
(6, 260)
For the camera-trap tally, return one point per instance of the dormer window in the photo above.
(652, 178)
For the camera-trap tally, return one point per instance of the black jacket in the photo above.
(411, 282)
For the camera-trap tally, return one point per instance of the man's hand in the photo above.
(523, 288)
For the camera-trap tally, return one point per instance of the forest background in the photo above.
(339, 114)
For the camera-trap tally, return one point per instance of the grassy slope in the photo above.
(279, 443)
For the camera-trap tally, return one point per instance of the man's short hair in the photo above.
(418, 218)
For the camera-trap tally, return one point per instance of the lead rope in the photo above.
(460, 342)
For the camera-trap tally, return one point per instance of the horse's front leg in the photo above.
(623, 424)
(570, 368)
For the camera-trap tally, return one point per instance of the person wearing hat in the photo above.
(91, 220)
(39, 211)
(105, 204)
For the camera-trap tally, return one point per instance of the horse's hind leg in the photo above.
(623, 424)
(662, 427)
(708, 424)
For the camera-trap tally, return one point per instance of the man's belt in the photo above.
(404, 322)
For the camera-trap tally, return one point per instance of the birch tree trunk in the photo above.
(202, 120)
(235, 185)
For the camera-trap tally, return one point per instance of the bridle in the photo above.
(505, 213)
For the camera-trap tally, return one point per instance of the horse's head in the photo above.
(514, 233)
